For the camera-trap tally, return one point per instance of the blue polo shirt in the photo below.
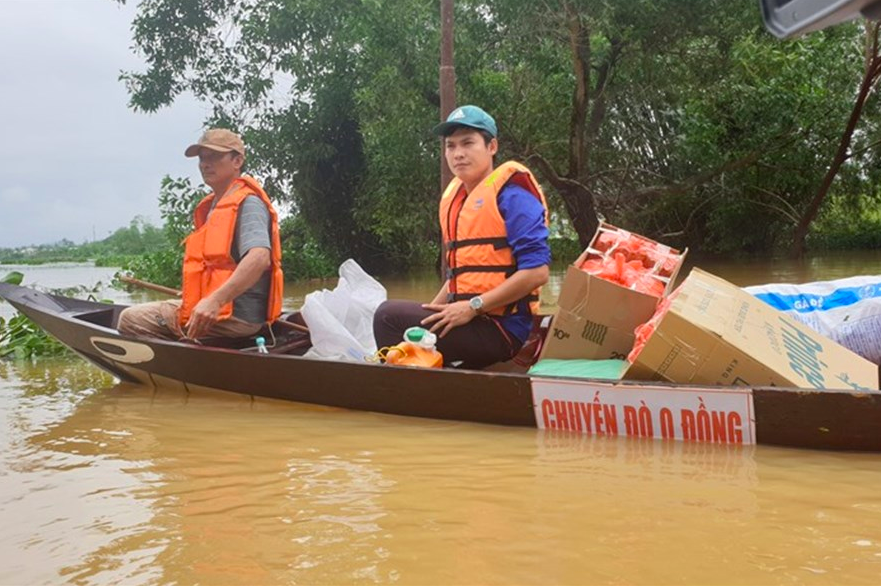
(528, 238)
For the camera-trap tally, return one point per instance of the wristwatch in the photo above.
(476, 303)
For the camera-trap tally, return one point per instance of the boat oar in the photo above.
(176, 293)
(148, 285)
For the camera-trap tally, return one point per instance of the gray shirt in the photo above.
(253, 230)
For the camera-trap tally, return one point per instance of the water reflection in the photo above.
(169, 486)
(143, 486)
(54, 375)
(197, 493)
(728, 465)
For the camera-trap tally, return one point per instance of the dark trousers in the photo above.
(477, 344)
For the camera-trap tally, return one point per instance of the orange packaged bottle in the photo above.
(417, 349)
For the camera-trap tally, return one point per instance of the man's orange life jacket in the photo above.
(208, 261)
(476, 245)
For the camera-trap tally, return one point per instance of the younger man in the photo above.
(495, 233)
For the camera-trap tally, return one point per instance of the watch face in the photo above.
(476, 303)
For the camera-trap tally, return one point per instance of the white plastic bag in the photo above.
(341, 321)
(846, 310)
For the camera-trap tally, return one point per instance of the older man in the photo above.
(494, 222)
(232, 277)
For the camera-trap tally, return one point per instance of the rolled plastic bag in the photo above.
(846, 310)
(341, 321)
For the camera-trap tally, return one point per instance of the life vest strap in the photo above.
(507, 269)
(497, 243)
(460, 296)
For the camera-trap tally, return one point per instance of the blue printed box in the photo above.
(715, 333)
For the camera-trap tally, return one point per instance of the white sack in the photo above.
(846, 310)
(341, 321)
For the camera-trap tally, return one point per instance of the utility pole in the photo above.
(447, 79)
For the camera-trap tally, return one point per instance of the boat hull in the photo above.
(818, 419)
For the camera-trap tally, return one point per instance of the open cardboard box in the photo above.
(714, 333)
(596, 318)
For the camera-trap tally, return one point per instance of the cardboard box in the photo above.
(717, 334)
(596, 318)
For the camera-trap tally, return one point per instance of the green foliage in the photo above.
(80, 291)
(164, 265)
(565, 250)
(177, 202)
(301, 109)
(788, 104)
(302, 257)
(22, 338)
(137, 238)
(13, 278)
(113, 260)
(695, 122)
(849, 223)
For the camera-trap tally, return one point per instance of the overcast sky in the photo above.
(74, 159)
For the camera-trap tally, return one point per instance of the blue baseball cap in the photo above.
(469, 116)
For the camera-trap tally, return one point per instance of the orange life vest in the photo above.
(208, 261)
(476, 245)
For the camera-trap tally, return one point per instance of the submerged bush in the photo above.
(848, 223)
(22, 338)
(163, 267)
(302, 256)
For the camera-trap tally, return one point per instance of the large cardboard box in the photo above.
(596, 318)
(714, 333)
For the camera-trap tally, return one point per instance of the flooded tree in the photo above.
(681, 119)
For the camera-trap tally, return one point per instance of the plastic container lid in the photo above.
(420, 337)
(415, 334)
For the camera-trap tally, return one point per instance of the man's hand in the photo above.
(203, 316)
(448, 316)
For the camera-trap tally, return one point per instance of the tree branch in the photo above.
(857, 153)
(598, 110)
(701, 178)
(746, 160)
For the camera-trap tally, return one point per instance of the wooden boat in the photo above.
(805, 418)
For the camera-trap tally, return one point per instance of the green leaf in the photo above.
(13, 278)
